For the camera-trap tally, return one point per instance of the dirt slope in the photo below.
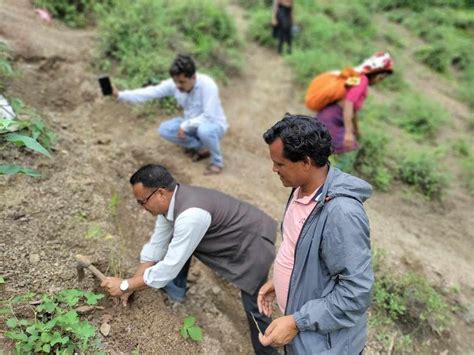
(45, 222)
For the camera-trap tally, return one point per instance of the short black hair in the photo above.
(183, 64)
(303, 137)
(154, 176)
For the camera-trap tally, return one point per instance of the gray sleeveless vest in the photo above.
(239, 244)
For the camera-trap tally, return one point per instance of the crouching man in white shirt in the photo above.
(203, 123)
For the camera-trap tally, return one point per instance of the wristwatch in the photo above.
(124, 285)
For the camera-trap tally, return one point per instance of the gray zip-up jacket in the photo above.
(332, 279)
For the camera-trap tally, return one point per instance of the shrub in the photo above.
(434, 56)
(143, 37)
(421, 170)
(75, 13)
(417, 115)
(252, 4)
(404, 308)
(467, 165)
(371, 158)
(259, 27)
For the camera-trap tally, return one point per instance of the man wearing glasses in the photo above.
(230, 236)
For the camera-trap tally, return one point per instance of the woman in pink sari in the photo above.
(341, 117)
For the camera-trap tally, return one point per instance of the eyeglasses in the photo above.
(145, 201)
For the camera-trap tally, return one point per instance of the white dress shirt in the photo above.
(172, 247)
(201, 104)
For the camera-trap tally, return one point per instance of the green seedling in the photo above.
(113, 203)
(93, 232)
(190, 329)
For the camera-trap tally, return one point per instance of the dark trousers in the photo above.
(284, 27)
(250, 306)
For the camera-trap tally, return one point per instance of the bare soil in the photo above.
(45, 222)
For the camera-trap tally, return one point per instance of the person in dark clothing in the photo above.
(282, 22)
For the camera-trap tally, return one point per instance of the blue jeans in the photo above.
(207, 135)
(176, 290)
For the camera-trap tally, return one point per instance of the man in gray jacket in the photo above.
(322, 278)
(231, 237)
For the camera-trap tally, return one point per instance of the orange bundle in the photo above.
(329, 87)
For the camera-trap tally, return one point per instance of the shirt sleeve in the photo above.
(156, 248)
(211, 107)
(189, 229)
(346, 252)
(165, 88)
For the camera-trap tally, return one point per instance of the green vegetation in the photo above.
(141, 38)
(54, 326)
(75, 13)
(467, 165)
(371, 158)
(417, 115)
(405, 307)
(6, 69)
(30, 133)
(25, 130)
(322, 25)
(446, 27)
(420, 170)
(190, 329)
(113, 204)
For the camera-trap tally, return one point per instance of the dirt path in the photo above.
(45, 222)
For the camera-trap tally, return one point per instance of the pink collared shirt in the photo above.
(296, 213)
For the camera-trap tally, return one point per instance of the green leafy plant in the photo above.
(30, 132)
(467, 166)
(421, 170)
(404, 307)
(6, 69)
(93, 232)
(113, 203)
(74, 13)
(55, 326)
(141, 38)
(190, 329)
(371, 158)
(417, 115)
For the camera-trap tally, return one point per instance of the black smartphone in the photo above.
(105, 85)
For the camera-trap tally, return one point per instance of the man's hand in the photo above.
(112, 286)
(123, 300)
(280, 332)
(265, 298)
(181, 134)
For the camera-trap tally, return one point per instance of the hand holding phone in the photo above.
(105, 85)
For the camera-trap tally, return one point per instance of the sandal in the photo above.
(213, 170)
(201, 155)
